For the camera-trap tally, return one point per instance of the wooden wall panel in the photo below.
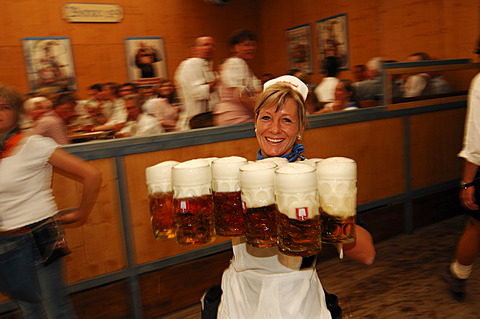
(97, 244)
(434, 162)
(376, 146)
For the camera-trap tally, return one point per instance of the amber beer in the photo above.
(227, 202)
(298, 218)
(258, 198)
(160, 199)
(337, 193)
(193, 203)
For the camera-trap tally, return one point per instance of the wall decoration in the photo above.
(49, 63)
(332, 40)
(299, 46)
(146, 60)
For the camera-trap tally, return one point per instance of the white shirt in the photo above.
(25, 184)
(325, 91)
(192, 77)
(144, 125)
(471, 142)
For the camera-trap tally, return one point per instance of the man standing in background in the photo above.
(457, 273)
(197, 82)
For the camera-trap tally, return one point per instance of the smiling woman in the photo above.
(279, 120)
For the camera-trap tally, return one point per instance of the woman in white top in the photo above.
(238, 85)
(27, 207)
(262, 283)
(345, 99)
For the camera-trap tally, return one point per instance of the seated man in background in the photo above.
(34, 108)
(360, 72)
(138, 123)
(417, 84)
(371, 89)
(54, 124)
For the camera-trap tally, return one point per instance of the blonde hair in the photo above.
(277, 94)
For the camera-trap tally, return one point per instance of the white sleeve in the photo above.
(471, 142)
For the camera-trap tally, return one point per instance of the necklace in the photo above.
(9, 141)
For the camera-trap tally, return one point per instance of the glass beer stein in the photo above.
(337, 193)
(192, 200)
(258, 200)
(227, 202)
(160, 199)
(298, 217)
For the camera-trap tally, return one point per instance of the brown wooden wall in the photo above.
(389, 28)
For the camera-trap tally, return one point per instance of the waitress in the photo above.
(34, 280)
(262, 282)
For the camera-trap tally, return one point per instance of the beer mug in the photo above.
(227, 202)
(298, 217)
(160, 199)
(258, 200)
(337, 191)
(192, 201)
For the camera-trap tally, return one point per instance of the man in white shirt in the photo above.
(138, 123)
(458, 272)
(197, 82)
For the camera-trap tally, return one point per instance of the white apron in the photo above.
(262, 283)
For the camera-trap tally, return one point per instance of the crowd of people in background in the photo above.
(198, 96)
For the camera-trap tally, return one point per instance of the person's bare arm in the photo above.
(89, 176)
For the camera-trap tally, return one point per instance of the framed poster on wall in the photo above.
(49, 64)
(332, 40)
(146, 60)
(299, 48)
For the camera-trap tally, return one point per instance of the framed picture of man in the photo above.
(332, 40)
(299, 48)
(146, 60)
(49, 64)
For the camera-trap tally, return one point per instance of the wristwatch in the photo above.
(464, 185)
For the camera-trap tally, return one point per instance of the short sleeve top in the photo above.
(25, 187)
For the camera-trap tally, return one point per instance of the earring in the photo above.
(299, 137)
(255, 130)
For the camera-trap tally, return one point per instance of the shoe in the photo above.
(456, 286)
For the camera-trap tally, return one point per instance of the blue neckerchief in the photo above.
(291, 157)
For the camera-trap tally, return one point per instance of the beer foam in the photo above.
(159, 177)
(295, 177)
(225, 173)
(256, 182)
(312, 161)
(277, 160)
(191, 178)
(337, 168)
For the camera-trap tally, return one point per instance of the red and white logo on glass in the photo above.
(302, 213)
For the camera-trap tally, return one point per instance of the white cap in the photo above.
(293, 81)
